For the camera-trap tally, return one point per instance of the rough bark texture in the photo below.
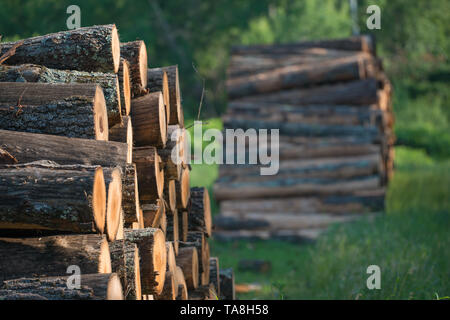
(199, 217)
(197, 239)
(135, 53)
(52, 197)
(205, 292)
(29, 147)
(157, 80)
(86, 49)
(182, 291)
(168, 292)
(227, 291)
(172, 229)
(125, 262)
(73, 110)
(150, 176)
(52, 255)
(183, 221)
(187, 259)
(93, 287)
(204, 280)
(172, 169)
(214, 274)
(130, 195)
(149, 120)
(35, 73)
(176, 110)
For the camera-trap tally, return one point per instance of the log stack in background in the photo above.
(331, 102)
(87, 178)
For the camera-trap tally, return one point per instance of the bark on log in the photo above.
(227, 290)
(151, 244)
(6, 157)
(199, 217)
(150, 175)
(29, 147)
(205, 292)
(149, 120)
(197, 239)
(356, 43)
(172, 155)
(125, 262)
(168, 292)
(135, 53)
(93, 287)
(109, 82)
(95, 48)
(214, 273)
(182, 291)
(362, 92)
(187, 259)
(204, 280)
(172, 232)
(183, 190)
(73, 110)
(295, 76)
(295, 187)
(170, 194)
(183, 221)
(125, 86)
(123, 132)
(157, 80)
(51, 197)
(52, 255)
(176, 110)
(130, 195)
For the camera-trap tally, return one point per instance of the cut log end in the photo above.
(159, 259)
(104, 263)
(126, 86)
(159, 174)
(207, 211)
(115, 48)
(100, 116)
(183, 190)
(166, 95)
(99, 200)
(114, 289)
(137, 275)
(162, 119)
(114, 204)
(143, 64)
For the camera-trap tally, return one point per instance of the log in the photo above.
(295, 76)
(125, 262)
(294, 187)
(125, 86)
(135, 53)
(150, 175)
(95, 48)
(176, 110)
(227, 291)
(172, 154)
(168, 292)
(73, 110)
(6, 157)
(123, 132)
(205, 292)
(199, 217)
(130, 195)
(163, 223)
(197, 239)
(183, 221)
(157, 80)
(183, 190)
(170, 194)
(52, 255)
(151, 244)
(182, 291)
(362, 92)
(187, 259)
(52, 197)
(152, 214)
(104, 286)
(28, 147)
(121, 231)
(109, 82)
(363, 43)
(149, 120)
(171, 260)
(172, 232)
(214, 273)
(204, 279)
(113, 181)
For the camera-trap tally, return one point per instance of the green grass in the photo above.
(409, 243)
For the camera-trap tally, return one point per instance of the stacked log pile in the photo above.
(331, 102)
(88, 177)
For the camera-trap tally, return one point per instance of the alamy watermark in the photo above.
(374, 280)
(74, 20)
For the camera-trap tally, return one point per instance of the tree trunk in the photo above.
(93, 287)
(227, 284)
(172, 229)
(33, 73)
(176, 110)
(29, 147)
(187, 259)
(90, 49)
(125, 86)
(199, 217)
(362, 92)
(183, 190)
(51, 197)
(151, 244)
(73, 110)
(52, 255)
(125, 262)
(295, 76)
(214, 273)
(150, 176)
(157, 80)
(135, 53)
(130, 195)
(149, 120)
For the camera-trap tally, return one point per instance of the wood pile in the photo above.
(331, 102)
(87, 175)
